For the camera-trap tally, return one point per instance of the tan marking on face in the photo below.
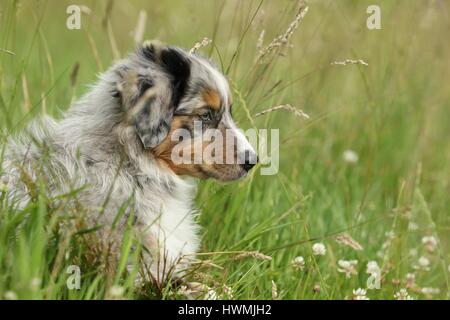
(163, 151)
(206, 169)
(212, 99)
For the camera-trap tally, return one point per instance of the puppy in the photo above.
(117, 145)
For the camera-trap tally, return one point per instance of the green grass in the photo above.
(393, 114)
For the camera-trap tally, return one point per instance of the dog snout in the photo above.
(250, 159)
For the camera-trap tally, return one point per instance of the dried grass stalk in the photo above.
(26, 93)
(295, 111)
(274, 290)
(349, 61)
(283, 39)
(140, 27)
(252, 254)
(205, 41)
(346, 240)
(260, 42)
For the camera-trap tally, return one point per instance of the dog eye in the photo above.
(206, 116)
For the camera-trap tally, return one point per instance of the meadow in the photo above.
(363, 181)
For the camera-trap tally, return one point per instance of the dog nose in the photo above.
(250, 159)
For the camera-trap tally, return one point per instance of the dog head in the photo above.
(180, 107)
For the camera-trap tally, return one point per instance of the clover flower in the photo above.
(410, 280)
(360, 294)
(10, 295)
(228, 292)
(350, 156)
(429, 292)
(211, 294)
(373, 268)
(402, 295)
(423, 264)
(412, 226)
(116, 291)
(430, 243)
(184, 291)
(298, 263)
(348, 267)
(319, 249)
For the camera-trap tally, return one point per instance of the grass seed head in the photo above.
(346, 240)
(203, 43)
(252, 254)
(283, 39)
(274, 290)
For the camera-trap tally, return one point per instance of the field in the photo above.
(367, 174)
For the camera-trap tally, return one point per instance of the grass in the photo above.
(393, 114)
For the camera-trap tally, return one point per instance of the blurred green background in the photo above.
(393, 114)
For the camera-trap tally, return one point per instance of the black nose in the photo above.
(250, 159)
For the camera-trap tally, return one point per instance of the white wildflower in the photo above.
(350, 156)
(430, 243)
(373, 268)
(348, 267)
(374, 281)
(410, 280)
(184, 291)
(198, 290)
(412, 226)
(413, 252)
(402, 295)
(360, 294)
(10, 295)
(211, 294)
(298, 263)
(430, 291)
(423, 264)
(116, 291)
(319, 249)
(390, 235)
(35, 283)
(228, 292)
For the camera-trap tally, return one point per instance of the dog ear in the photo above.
(152, 100)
